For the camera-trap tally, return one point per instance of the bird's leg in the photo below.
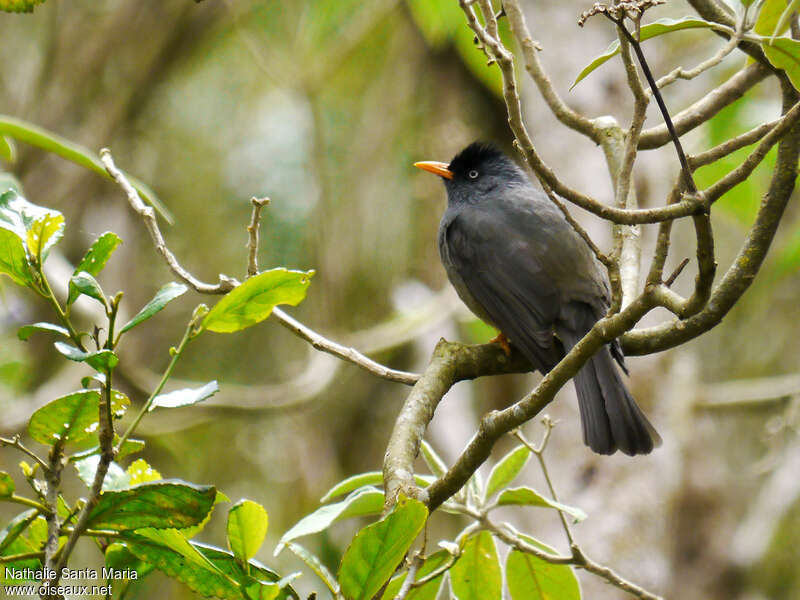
(501, 339)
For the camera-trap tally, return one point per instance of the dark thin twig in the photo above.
(687, 172)
(671, 279)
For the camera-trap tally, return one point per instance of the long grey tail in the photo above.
(610, 417)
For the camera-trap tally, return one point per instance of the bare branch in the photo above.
(708, 106)
(732, 145)
(228, 283)
(252, 238)
(570, 118)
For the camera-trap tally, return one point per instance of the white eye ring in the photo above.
(472, 174)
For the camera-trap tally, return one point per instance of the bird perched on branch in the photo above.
(519, 265)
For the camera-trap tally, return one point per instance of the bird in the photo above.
(520, 266)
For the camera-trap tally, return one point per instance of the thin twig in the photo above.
(252, 231)
(732, 145)
(414, 564)
(678, 270)
(15, 442)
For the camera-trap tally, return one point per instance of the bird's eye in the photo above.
(472, 174)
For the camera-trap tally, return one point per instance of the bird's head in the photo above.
(475, 171)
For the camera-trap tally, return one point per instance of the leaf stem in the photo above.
(176, 354)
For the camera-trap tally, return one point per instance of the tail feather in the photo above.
(610, 416)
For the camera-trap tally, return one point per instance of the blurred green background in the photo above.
(323, 106)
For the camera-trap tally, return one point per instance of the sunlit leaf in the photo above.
(656, 28)
(13, 259)
(26, 331)
(768, 18)
(247, 528)
(101, 360)
(8, 150)
(163, 297)
(44, 233)
(476, 574)
(784, 53)
(116, 478)
(185, 397)
(139, 471)
(121, 559)
(6, 485)
(19, 6)
(377, 549)
(253, 301)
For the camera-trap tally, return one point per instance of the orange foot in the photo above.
(503, 341)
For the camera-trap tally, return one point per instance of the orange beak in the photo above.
(437, 168)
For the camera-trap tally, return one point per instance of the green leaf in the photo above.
(163, 297)
(507, 469)
(139, 471)
(119, 558)
(378, 549)
(176, 540)
(247, 528)
(44, 233)
(185, 397)
(163, 504)
(13, 260)
(656, 28)
(70, 418)
(6, 485)
(253, 301)
(100, 360)
(94, 260)
(313, 563)
(784, 53)
(783, 21)
(768, 18)
(364, 501)
(8, 150)
(87, 285)
(115, 479)
(19, 6)
(433, 460)
(525, 496)
(12, 541)
(531, 578)
(429, 591)
(476, 574)
(25, 332)
(371, 478)
(219, 580)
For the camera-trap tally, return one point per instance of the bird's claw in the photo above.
(502, 340)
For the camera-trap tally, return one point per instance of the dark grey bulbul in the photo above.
(519, 265)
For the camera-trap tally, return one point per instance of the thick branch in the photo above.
(451, 362)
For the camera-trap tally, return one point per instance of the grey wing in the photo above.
(501, 274)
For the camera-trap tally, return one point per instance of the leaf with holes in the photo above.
(70, 418)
